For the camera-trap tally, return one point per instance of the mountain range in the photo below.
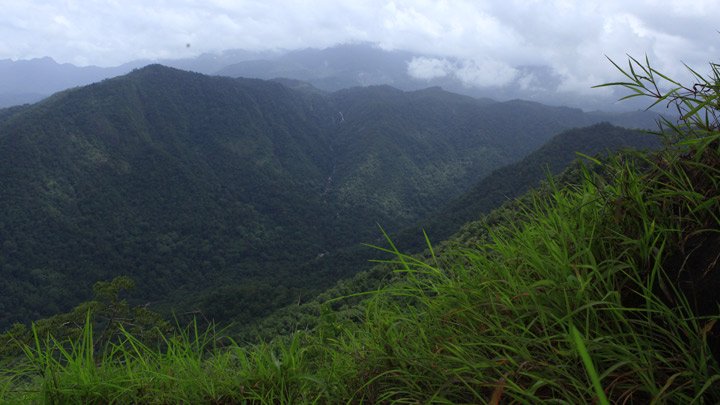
(330, 69)
(29, 81)
(243, 189)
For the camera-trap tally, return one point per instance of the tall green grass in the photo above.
(497, 322)
(190, 367)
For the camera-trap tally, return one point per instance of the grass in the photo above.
(190, 367)
(498, 318)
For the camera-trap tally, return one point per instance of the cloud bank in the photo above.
(486, 40)
(471, 72)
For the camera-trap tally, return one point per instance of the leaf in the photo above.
(587, 362)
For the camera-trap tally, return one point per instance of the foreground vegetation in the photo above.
(599, 290)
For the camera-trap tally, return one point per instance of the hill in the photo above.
(165, 175)
(365, 64)
(512, 181)
(460, 219)
(208, 190)
(330, 69)
(29, 81)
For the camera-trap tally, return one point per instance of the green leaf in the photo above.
(577, 339)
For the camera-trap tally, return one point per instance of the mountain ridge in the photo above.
(328, 69)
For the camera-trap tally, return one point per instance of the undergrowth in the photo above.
(586, 295)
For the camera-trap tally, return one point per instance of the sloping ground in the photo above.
(232, 197)
(559, 156)
(511, 181)
(577, 296)
(690, 193)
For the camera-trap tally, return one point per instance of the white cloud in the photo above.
(429, 68)
(470, 72)
(527, 82)
(485, 73)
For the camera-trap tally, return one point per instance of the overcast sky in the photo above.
(492, 36)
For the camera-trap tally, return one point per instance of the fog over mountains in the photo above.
(330, 69)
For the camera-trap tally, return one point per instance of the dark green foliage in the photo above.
(7, 113)
(168, 176)
(189, 183)
(108, 312)
(494, 200)
(594, 289)
(512, 181)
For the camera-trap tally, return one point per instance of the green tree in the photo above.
(108, 311)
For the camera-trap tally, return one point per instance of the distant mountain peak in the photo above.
(155, 68)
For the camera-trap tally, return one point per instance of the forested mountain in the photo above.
(468, 210)
(599, 287)
(511, 181)
(243, 189)
(402, 154)
(28, 81)
(332, 68)
(6, 113)
(168, 176)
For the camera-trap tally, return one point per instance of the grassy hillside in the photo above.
(597, 290)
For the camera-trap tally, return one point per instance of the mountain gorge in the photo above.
(240, 189)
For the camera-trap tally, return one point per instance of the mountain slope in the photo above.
(586, 292)
(163, 175)
(331, 69)
(209, 190)
(28, 81)
(509, 182)
(469, 210)
(427, 146)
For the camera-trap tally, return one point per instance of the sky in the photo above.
(490, 37)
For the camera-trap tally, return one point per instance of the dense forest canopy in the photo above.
(210, 189)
